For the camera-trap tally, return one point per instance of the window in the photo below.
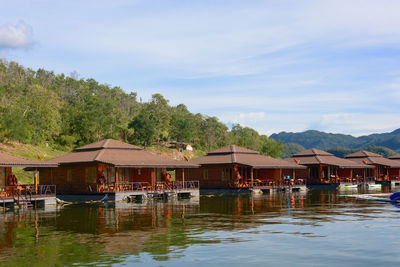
(226, 174)
(112, 175)
(69, 176)
(127, 175)
(106, 174)
(90, 175)
(2, 176)
(205, 174)
(94, 175)
(120, 175)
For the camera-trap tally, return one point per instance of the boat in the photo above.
(383, 197)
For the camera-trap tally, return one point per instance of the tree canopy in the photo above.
(40, 106)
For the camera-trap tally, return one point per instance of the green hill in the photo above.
(328, 141)
(39, 107)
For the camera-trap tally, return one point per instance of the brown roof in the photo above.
(107, 143)
(363, 154)
(395, 157)
(315, 157)
(312, 152)
(232, 149)
(366, 157)
(238, 155)
(119, 154)
(8, 160)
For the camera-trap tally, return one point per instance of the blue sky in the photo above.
(270, 65)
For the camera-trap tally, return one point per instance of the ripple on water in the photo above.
(317, 228)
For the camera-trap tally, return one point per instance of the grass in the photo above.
(175, 153)
(37, 152)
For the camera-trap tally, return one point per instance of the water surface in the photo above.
(318, 228)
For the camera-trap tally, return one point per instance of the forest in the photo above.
(39, 106)
(385, 144)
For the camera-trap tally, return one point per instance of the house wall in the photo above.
(215, 179)
(345, 173)
(359, 172)
(394, 173)
(78, 182)
(302, 173)
(208, 176)
(268, 175)
(4, 172)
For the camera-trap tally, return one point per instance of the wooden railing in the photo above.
(394, 178)
(176, 186)
(282, 183)
(27, 191)
(126, 187)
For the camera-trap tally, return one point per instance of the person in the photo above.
(101, 180)
(168, 179)
(238, 178)
(12, 180)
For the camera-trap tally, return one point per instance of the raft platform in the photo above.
(139, 191)
(23, 196)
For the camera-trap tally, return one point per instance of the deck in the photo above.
(257, 186)
(284, 186)
(27, 196)
(131, 191)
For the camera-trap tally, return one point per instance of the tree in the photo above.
(41, 110)
(270, 147)
(182, 124)
(144, 128)
(160, 112)
(245, 137)
(213, 134)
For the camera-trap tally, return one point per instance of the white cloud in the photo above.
(16, 36)
(224, 40)
(248, 118)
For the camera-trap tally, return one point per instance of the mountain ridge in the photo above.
(322, 140)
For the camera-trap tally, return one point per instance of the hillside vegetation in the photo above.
(39, 107)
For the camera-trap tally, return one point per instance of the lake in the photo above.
(317, 228)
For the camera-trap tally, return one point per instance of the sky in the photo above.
(274, 66)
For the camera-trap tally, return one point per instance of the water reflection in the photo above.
(119, 233)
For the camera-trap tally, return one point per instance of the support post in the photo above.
(251, 176)
(351, 175)
(320, 174)
(116, 179)
(153, 177)
(35, 181)
(365, 178)
(183, 178)
(336, 173)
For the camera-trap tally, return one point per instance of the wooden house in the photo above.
(384, 170)
(111, 166)
(394, 173)
(324, 168)
(12, 192)
(237, 167)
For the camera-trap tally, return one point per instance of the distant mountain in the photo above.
(325, 141)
